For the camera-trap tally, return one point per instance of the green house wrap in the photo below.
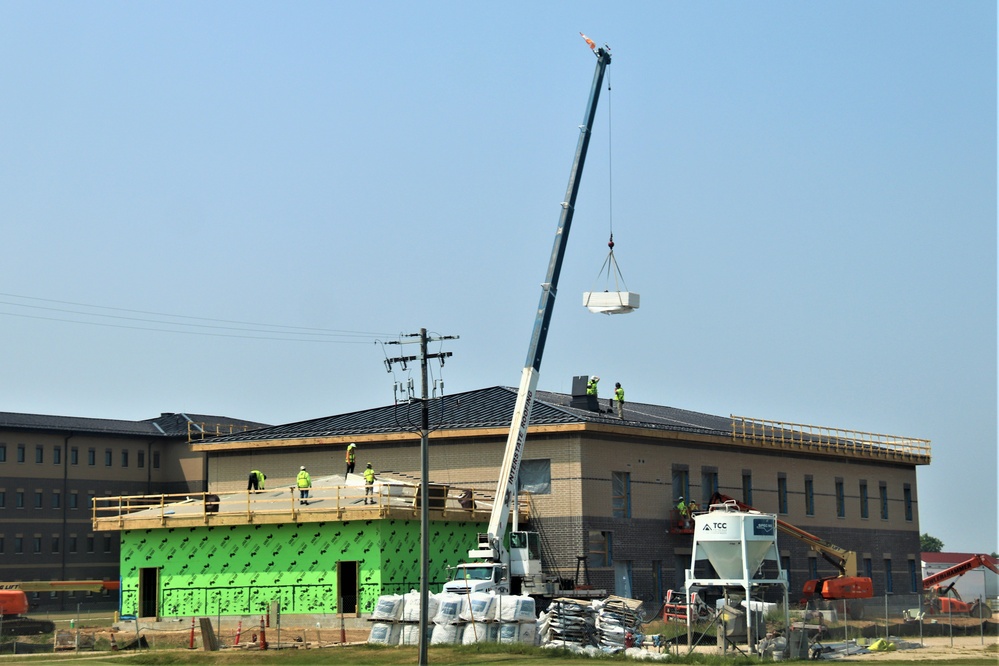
(308, 567)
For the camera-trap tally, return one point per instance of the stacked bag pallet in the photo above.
(386, 616)
(616, 618)
(568, 623)
(456, 619)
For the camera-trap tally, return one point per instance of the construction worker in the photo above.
(256, 480)
(591, 386)
(351, 454)
(304, 484)
(619, 399)
(369, 484)
(681, 508)
(692, 507)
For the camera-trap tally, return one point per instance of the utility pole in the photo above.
(424, 469)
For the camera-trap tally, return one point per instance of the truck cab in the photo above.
(471, 577)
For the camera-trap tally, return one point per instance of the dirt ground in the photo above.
(939, 648)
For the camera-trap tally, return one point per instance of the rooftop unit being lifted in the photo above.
(607, 301)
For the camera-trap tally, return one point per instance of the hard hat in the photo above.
(681, 496)
(351, 445)
(369, 464)
(303, 467)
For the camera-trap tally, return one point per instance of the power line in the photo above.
(240, 329)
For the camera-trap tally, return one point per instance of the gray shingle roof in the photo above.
(483, 408)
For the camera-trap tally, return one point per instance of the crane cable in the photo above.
(610, 263)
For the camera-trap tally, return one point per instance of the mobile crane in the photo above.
(518, 570)
(944, 600)
(847, 585)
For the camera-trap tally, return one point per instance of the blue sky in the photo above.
(804, 195)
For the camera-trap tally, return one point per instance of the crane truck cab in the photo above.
(513, 571)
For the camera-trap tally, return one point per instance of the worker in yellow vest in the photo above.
(351, 455)
(304, 484)
(619, 400)
(256, 480)
(369, 484)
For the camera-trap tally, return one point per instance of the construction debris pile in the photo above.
(455, 619)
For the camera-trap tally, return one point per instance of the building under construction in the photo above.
(601, 490)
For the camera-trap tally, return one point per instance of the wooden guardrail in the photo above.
(784, 435)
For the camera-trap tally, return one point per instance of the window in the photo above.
(709, 485)
(889, 584)
(19, 499)
(915, 584)
(20, 453)
(56, 499)
(107, 457)
(55, 544)
(39, 499)
(90, 543)
(868, 567)
(3, 453)
(781, 494)
(57, 455)
(156, 459)
(72, 543)
(785, 563)
(91, 457)
(681, 483)
(124, 457)
(74, 500)
(840, 499)
(883, 495)
(39, 454)
(535, 475)
(36, 544)
(747, 487)
(809, 496)
(74, 456)
(140, 462)
(813, 568)
(107, 543)
(3, 499)
(907, 499)
(864, 513)
(2, 549)
(19, 545)
(621, 494)
(600, 549)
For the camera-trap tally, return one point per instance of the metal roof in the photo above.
(165, 425)
(483, 408)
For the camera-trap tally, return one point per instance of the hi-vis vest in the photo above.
(350, 454)
(304, 480)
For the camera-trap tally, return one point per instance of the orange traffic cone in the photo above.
(239, 631)
(263, 635)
